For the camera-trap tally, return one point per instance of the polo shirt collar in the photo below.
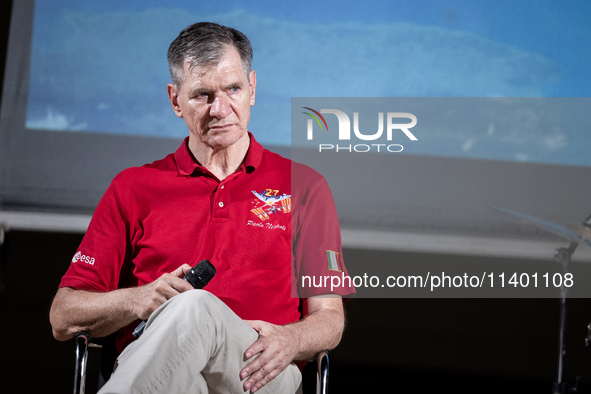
(187, 164)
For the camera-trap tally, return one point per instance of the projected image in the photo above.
(102, 67)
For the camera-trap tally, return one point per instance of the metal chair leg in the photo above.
(81, 357)
(322, 377)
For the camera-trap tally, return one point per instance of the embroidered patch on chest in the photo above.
(269, 203)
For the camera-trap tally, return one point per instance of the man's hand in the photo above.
(321, 329)
(278, 347)
(101, 314)
(146, 299)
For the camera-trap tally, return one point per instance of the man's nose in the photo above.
(220, 108)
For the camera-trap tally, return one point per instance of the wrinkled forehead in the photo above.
(214, 76)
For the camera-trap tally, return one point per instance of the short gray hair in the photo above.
(204, 44)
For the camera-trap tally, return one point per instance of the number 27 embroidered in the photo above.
(270, 203)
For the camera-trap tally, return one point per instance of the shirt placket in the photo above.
(222, 198)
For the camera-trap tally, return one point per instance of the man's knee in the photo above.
(195, 297)
(196, 303)
(187, 307)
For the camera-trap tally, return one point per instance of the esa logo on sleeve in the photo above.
(82, 258)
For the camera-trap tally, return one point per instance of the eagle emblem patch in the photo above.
(270, 203)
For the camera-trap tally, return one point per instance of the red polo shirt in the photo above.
(154, 218)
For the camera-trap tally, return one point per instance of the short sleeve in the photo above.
(316, 239)
(98, 262)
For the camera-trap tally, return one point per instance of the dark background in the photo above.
(414, 345)
(406, 345)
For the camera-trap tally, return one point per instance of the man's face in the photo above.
(215, 101)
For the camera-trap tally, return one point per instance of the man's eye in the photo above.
(234, 89)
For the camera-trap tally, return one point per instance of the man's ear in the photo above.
(173, 96)
(253, 85)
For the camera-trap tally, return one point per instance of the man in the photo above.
(220, 196)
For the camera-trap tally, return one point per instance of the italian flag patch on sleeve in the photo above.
(333, 260)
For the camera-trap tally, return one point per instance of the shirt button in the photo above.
(222, 186)
(221, 204)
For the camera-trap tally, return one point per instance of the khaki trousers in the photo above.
(193, 343)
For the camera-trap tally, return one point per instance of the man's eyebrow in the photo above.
(237, 84)
(198, 91)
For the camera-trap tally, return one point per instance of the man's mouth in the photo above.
(220, 127)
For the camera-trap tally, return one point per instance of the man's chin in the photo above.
(223, 138)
